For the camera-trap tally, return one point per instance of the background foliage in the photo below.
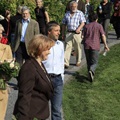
(55, 8)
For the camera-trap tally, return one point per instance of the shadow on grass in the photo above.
(81, 78)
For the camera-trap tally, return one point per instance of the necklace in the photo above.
(45, 72)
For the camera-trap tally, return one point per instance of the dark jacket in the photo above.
(106, 11)
(13, 21)
(35, 90)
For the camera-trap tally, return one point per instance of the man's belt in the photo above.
(22, 42)
(54, 75)
(72, 31)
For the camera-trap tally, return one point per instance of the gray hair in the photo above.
(73, 2)
(1, 27)
(25, 8)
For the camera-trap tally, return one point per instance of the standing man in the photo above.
(26, 28)
(74, 20)
(55, 68)
(92, 33)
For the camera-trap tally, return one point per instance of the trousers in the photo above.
(56, 101)
(73, 40)
(92, 59)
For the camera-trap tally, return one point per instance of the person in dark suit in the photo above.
(13, 20)
(25, 30)
(35, 87)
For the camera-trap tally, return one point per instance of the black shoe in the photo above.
(101, 42)
(118, 37)
(91, 76)
(66, 66)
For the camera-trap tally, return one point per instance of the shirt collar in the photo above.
(75, 12)
(28, 20)
(57, 42)
(87, 4)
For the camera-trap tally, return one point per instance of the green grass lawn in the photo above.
(99, 100)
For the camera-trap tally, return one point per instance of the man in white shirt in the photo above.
(55, 68)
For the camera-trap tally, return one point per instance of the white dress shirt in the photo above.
(55, 62)
(24, 28)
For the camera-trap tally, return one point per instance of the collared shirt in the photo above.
(74, 21)
(92, 33)
(55, 62)
(24, 27)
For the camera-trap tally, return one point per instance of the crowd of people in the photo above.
(35, 45)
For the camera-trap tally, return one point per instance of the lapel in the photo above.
(42, 73)
(28, 30)
(20, 27)
(28, 27)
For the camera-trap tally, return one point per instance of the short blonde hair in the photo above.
(38, 44)
(1, 28)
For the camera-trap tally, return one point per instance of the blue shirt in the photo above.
(74, 21)
(24, 28)
(55, 62)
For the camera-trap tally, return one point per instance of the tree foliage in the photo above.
(55, 8)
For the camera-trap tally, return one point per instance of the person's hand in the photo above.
(107, 48)
(77, 31)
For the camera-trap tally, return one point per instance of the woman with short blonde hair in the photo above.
(39, 44)
(35, 86)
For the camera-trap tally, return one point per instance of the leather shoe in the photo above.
(66, 66)
(77, 64)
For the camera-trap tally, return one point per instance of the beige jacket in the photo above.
(5, 52)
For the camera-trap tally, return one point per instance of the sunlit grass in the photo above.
(99, 100)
